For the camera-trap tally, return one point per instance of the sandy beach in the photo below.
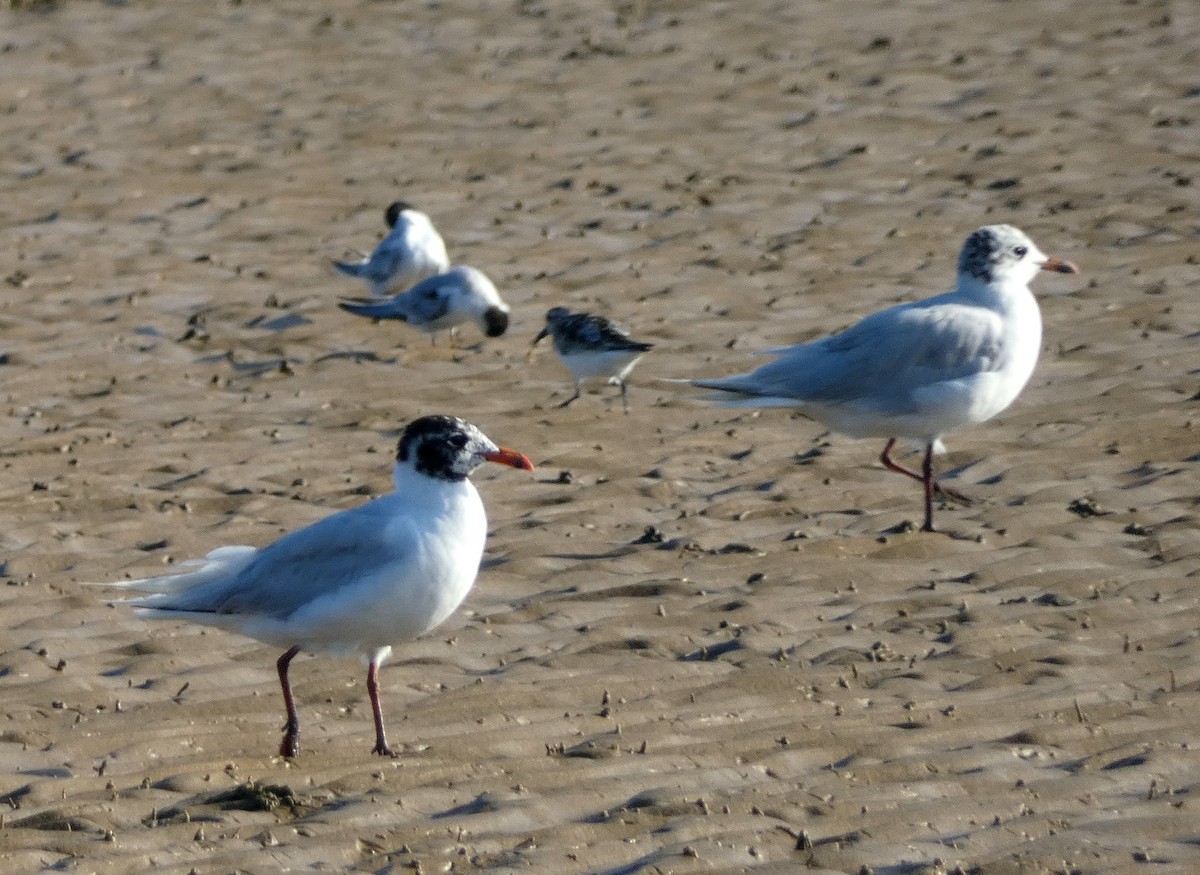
(703, 640)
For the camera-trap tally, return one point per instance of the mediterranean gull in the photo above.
(359, 581)
(411, 251)
(461, 294)
(917, 370)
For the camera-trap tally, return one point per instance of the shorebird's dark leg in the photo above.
(624, 397)
(381, 745)
(930, 484)
(925, 476)
(290, 746)
(567, 403)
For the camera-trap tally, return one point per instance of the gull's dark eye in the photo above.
(458, 441)
(1020, 251)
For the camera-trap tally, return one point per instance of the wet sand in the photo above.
(782, 678)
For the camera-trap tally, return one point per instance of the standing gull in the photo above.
(917, 370)
(592, 346)
(359, 581)
(411, 251)
(461, 294)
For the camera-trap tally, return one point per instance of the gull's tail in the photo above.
(354, 269)
(740, 392)
(170, 592)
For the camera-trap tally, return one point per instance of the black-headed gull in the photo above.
(917, 370)
(461, 294)
(359, 581)
(592, 346)
(411, 251)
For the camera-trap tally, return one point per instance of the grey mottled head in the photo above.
(996, 250)
(998, 253)
(449, 448)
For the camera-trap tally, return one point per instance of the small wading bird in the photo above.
(592, 346)
(461, 294)
(359, 581)
(917, 370)
(411, 251)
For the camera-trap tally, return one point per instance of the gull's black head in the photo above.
(449, 448)
(392, 214)
(495, 321)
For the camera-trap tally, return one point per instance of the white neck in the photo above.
(429, 491)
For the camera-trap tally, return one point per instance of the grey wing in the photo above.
(371, 308)
(427, 301)
(887, 354)
(388, 259)
(332, 553)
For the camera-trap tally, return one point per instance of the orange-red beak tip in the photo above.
(1058, 265)
(511, 458)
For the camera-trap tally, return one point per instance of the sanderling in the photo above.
(592, 346)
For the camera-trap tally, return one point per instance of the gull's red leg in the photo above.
(925, 477)
(381, 744)
(290, 746)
